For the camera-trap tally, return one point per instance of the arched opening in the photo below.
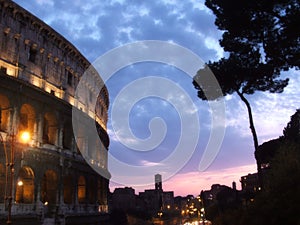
(49, 187)
(81, 187)
(2, 182)
(92, 190)
(25, 186)
(101, 192)
(50, 129)
(27, 118)
(67, 136)
(32, 54)
(68, 189)
(4, 113)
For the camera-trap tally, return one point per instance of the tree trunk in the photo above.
(252, 128)
(254, 135)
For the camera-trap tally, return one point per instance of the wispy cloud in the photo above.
(45, 2)
(149, 163)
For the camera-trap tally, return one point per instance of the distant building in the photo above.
(158, 182)
(157, 200)
(250, 186)
(167, 200)
(209, 197)
(222, 196)
(153, 200)
(124, 199)
(234, 185)
(250, 182)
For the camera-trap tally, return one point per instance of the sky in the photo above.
(96, 27)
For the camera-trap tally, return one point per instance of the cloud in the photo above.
(149, 163)
(45, 2)
(112, 23)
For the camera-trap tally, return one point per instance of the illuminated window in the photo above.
(27, 118)
(81, 189)
(24, 121)
(25, 186)
(4, 112)
(68, 189)
(50, 129)
(49, 187)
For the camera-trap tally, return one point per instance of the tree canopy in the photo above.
(270, 28)
(261, 39)
(292, 130)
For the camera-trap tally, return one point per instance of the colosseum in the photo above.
(53, 177)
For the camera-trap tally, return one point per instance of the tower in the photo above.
(158, 182)
(234, 185)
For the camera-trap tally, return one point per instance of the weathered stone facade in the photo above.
(40, 71)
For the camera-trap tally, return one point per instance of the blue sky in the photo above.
(95, 27)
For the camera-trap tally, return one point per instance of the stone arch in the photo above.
(25, 186)
(67, 135)
(100, 191)
(27, 118)
(2, 182)
(92, 190)
(4, 112)
(81, 189)
(49, 185)
(50, 129)
(68, 189)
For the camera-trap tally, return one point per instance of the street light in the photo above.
(11, 138)
(25, 136)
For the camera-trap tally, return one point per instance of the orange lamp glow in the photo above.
(25, 136)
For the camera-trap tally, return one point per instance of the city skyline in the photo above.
(95, 28)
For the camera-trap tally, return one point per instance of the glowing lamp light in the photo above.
(25, 136)
(20, 183)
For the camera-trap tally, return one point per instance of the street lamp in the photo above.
(11, 139)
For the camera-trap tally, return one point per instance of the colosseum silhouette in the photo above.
(55, 179)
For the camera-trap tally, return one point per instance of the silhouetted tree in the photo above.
(279, 202)
(269, 27)
(262, 39)
(292, 131)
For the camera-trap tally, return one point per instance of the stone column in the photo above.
(15, 119)
(40, 125)
(35, 132)
(60, 136)
(76, 204)
(40, 210)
